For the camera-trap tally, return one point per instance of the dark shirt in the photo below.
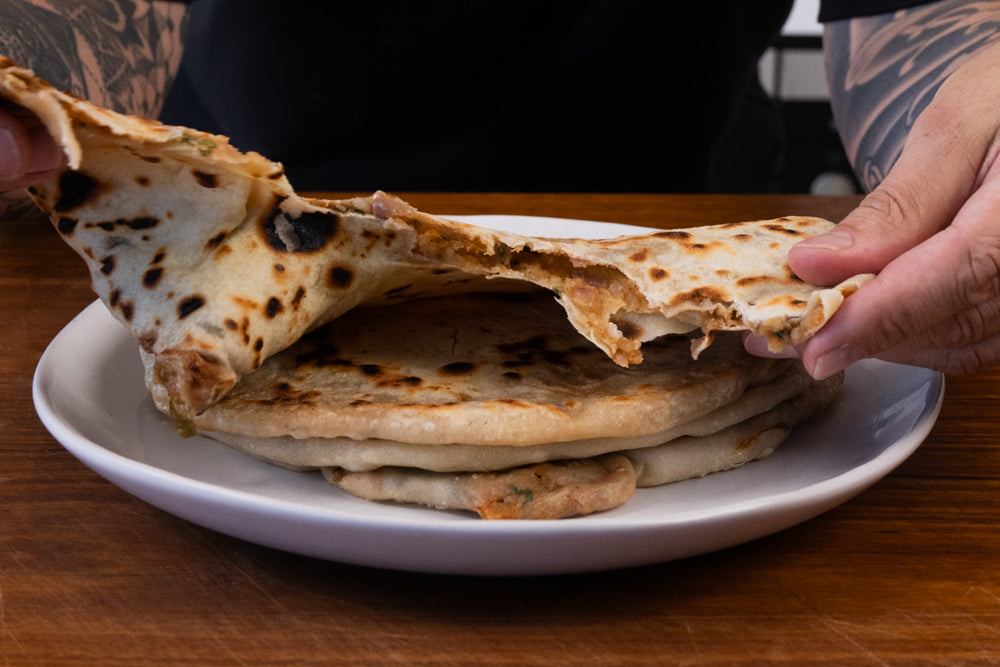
(598, 95)
(834, 10)
(603, 95)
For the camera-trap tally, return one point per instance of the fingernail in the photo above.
(10, 155)
(837, 239)
(833, 361)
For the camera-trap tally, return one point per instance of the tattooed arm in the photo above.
(884, 70)
(120, 54)
(917, 100)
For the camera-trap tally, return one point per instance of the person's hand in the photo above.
(27, 152)
(931, 231)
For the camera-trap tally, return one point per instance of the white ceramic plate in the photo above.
(89, 393)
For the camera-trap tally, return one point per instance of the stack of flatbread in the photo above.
(494, 403)
(419, 359)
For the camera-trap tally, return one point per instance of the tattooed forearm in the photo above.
(883, 70)
(121, 54)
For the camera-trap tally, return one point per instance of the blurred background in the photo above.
(792, 73)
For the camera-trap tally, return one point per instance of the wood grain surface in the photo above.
(906, 573)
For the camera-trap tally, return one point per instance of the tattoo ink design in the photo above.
(883, 71)
(119, 54)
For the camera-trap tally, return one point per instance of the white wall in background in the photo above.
(803, 79)
(802, 20)
(801, 70)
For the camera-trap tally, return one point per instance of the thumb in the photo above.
(936, 172)
(905, 210)
(27, 151)
(880, 229)
(14, 144)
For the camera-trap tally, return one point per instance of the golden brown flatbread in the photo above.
(556, 397)
(571, 487)
(214, 263)
(553, 490)
(359, 455)
(480, 369)
(493, 403)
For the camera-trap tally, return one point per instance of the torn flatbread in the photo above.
(214, 263)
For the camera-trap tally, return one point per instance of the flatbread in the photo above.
(753, 439)
(447, 364)
(360, 455)
(553, 490)
(478, 369)
(492, 403)
(483, 382)
(214, 263)
(565, 488)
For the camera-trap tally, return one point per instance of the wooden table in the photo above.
(89, 575)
